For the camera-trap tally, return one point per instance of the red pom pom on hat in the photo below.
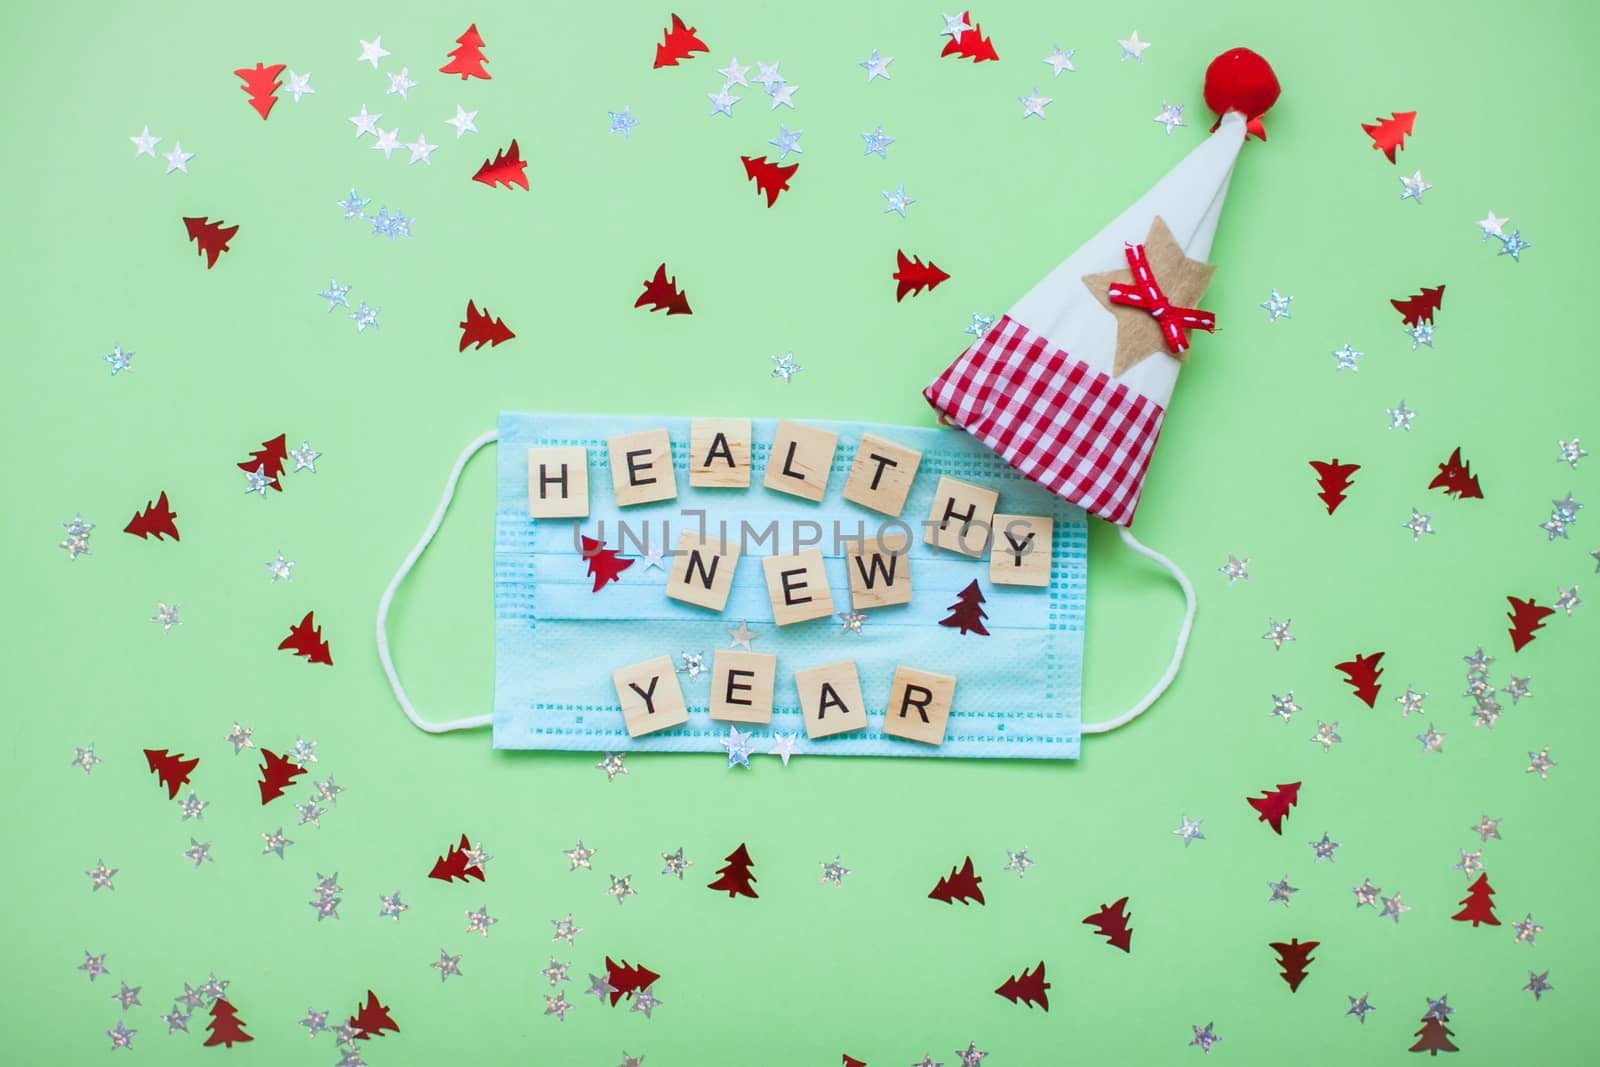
(1240, 80)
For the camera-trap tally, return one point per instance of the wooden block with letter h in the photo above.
(641, 467)
(558, 482)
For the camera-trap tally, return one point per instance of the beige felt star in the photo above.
(1182, 279)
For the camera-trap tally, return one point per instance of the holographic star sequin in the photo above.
(325, 907)
(327, 790)
(692, 663)
(1018, 861)
(121, 1036)
(1367, 894)
(176, 1020)
(1393, 908)
(1190, 830)
(1419, 524)
(1281, 890)
(1347, 358)
(1236, 569)
(1277, 633)
(1284, 707)
(479, 921)
(476, 856)
(979, 326)
(1420, 334)
(787, 141)
(1170, 115)
(1034, 104)
(1541, 762)
(167, 616)
(1327, 735)
(198, 852)
(1324, 849)
(1567, 599)
(738, 746)
(390, 907)
(645, 1001)
(1512, 246)
(556, 972)
(101, 876)
(1538, 984)
(355, 207)
(1477, 663)
(1432, 740)
(621, 888)
(1526, 931)
(852, 621)
(85, 759)
(1410, 702)
(833, 872)
(335, 294)
(1205, 1037)
(365, 316)
(1400, 417)
(970, 1056)
(1571, 452)
(785, 367)
(127, 996)
(257, 482)
(447, 965)
(77, 542)
(612, 764)
(1414, 187)
(1487, 828)
(305, 458)
(119, 360)
(566, 929)
(93, 965)
(1277, 306)
(1438, 1009)
(578, 856)
(304, 752)
(600, 986)
(240, 737)
(877, 143)
(315, 1022)
(898, 201)
(192, 806)
(275, 842)
(783, 746)
(557, 1006)
(1471, 862)
(1359, 1007)
(675, 863)
(622, 122)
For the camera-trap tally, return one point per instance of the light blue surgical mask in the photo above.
(557, 639)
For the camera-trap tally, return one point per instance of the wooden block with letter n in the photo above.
(641, 468)
(880, 571)
(719, 453)
(830, 699)
(800, 461)
(558, 483)
(798, 587)
(961, 516)
(741, 685)
(1020, 553)
(919, 705)
(650, 697)
(702, 571)
(881, 475)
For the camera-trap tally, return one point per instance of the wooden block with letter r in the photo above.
(919, 705)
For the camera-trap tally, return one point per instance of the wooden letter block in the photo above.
(800, 461)
(558, 483)
(881, 475)
(961, 517)
(919, 705)
(719, 453)
(798, 587)
(880, 571)
(741, 685)
(1020, 554)
(641, 468)
(650, 697)
(702, 571)
(830, 699)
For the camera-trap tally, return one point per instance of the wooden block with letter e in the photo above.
(641, 467)
(798, 587)
(741, 685)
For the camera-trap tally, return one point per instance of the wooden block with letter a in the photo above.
(741, 685)
(1020, 552)
(830, 699)
(800, 461)
(650, 696)
(880, 571)
(719, 453)
(702, 571)
(641, 467)
(919, 705)
(558, 482)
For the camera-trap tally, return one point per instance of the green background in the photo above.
(226, 358)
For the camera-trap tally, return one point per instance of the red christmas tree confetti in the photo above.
(1420, 308)
(269, 460)
(959, 885)
(1390, 134)
(155, 520)
(172, 770)
(305, 639)
(965, 613)
(1112, 922)
(1479, 905)
(1294, 958)
(1455, 477)
(1029, 988)
(604, 564)
(625, 981)
(678, 42)
(226, 1027)
(508, 168)
(454, 864)
(262, 86)
(1526, 617)
(1274, 804)
(1333, 478)
(1362, 674)
(735, 876)
(467, 60)
(481, 329)
(372, 1019)
(277, 774)
(913, 275)
(1434, 1037)
(663, 293)
(770, 178)
(970, 44)
(211, 237)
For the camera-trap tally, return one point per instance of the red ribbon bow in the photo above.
(1145, 293)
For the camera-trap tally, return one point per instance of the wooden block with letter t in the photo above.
(798, 587)
(702, 571)
(881, 475)
(961, 516)
(1021, 550)
(719, 453)
(830, 699)
(650, 696)
(558, 483)
(800, 461)
(741, 685)
(880, 571)
(641, 467)
(919, 705)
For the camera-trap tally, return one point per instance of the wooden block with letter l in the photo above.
(741, 685)
(800, 461)
(919, 705)
(650, 696)
(880, 571)
(881, 476)
(1021, 550)
(641, 467)
(798, 587)
(830, 699)
(702, 571)
(719, 453)
(558, 482)
(961, 516)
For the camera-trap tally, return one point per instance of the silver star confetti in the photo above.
(1414, 187)
(1420, 334)
(315, 1022)
(1284, 707)
(167, 616)
(979, 325)
(645, 1001)
(738, 747)
(600, 986)
(1487, 828)
(93, 965)
(612, 764)
(1366, 894)
(1327, 735)
(833, 872)
(1277, 306)
(852, 621)
(192, 806)
(1170, 115)
(1438, 1009)
(1432, 741)
(970, 1056)
(1205, 1037)
(1034, 104)
(257, 482)
(783, 746)
(1471, 862)
(335, 294)
(305, 458)
(85, 759)
(119, 360)
(198, 853)
(1477, 663)
(1190, 830)
(1512, 246)
(1324, 849)
(479, 921)
(191, 998)
(304, 752)
(327, 790)
(1359, 1007)
(1568, 508)
(1393, 908)
(176, 1020)
(1492, 226)
(876, 67)
(1060, 61)
(566, 929)
(621, 122)
(1526, 931)
(1281, 890)
(354, 208)
(1571, 452)
(77, 542)
(1018, 861)
(1236, 569)
(740, 636)
(557, 1006)
(447, 965)
(1568, 599)
(101, 876)
(787, 141)
(1538, 984)
(127, 996)
(1277, 633)
(1541, 762)
(877, 143)
(400, 83)
(1410, 702)
(121, 1036)
(390, 907)
(578, 856)
(675, 863)
(1400, 417)
(1555, 526)
(240, 736)
(785, 367)
(1419, 524)
(326, 907)
(898, 201)
(556, 972)
(365, 316)
(692, 663)
(476, 856)
(1348, 358)
(622, 888)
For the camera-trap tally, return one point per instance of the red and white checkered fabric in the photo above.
(1073, 429)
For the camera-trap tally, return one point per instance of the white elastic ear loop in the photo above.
(394, 584)
(1177, 651)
